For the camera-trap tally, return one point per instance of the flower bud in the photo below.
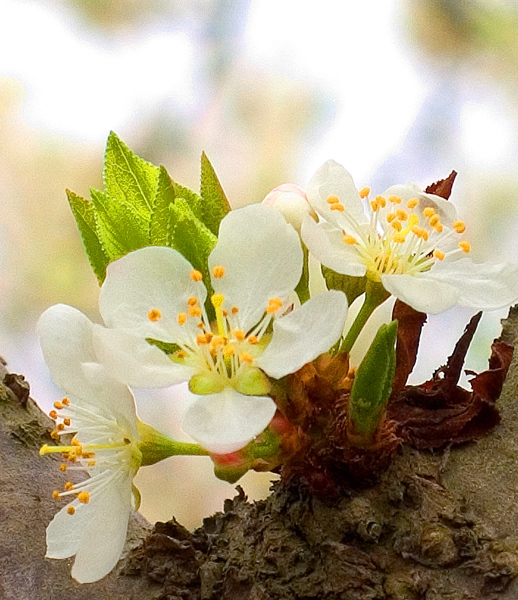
(292, 202)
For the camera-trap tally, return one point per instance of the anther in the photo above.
(350, 240)
(196, 275)
(65, 402)
(71, 510)
(438, 227)
(58, 405)
(402, 215)
(182, 318)
(194, 311)
(229, 350)
(439, 254)
(374, 205)
(397, 225)
(459, 226)
(181, 354)
(434, 220)
(239, 334)
(60, 426)
(62, 467)
(201, 339)
(245, 357)
(395, 199)
(69, 486)
(192, 301)
(53, 414)
(56, 495)
(399, 238)
(381, 201)
(412, 203)
(390, 217)
(333, 199)
(273, 305)
(83, 497)
(218, 271)
(154, 315)
(54, 434)
(235, 310)
(364, 192)
(339, 207)
(253, 339)
(428, 212)
(66, 422)
(465, 246)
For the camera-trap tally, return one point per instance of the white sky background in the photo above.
(79, 86)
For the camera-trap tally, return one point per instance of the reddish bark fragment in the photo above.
(442, 187)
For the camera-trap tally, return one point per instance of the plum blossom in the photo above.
(155, 294)
(100, 413)
(409, 241)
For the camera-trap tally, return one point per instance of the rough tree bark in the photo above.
(438, 525)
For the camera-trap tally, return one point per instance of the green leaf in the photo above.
(84, 215)
(372, 386)
(192, 239)
(161, 222)
(128, 178)
(351, 286)
(215, 204)
(118, 228)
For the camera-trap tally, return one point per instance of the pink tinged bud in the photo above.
(291, 201)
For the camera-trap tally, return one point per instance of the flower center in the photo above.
(399, 239)
(109, 450)
(222, 351)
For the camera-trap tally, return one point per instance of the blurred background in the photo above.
(394, 90)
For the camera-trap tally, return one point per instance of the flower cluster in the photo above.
(232, 329)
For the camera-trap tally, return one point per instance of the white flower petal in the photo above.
(331, 179)
(421, 292)
(482, 286)
(227, 421)
(262, 257)
(134, 361)
(304, 334)
(66, 341)
(326, 244)
(103, 539)
(445, 209)
(150, 278)
(65, 532)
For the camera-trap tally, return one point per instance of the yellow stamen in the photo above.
(63, 467)
(71, 510)
(397, 225)
(235, 310)
(239, 334)
(218, 271)
(434, 220)
(364, 192)
(69, 486)
(253, 339)
(83, 497)
(465, 246)
(399, 238)
(438, 227)
(390, 217)
(56, 495)
(181, 354)
(439, 254)
(196, 275)
(338, 207)
(201, 339)
(229, 350)
(53, 414)
(60, 426)
(245, 357)
(412, 203)
(66, 422)
(428, 212)
(194, 311)
(54, 434)
(459, 226)
(395, 199)
(333, 200)
(154, 315)
(402, 215)
(381, 201)
(192, 301)
(273, 305)
(182, 318)
(58, 405)
(374, 205)
(66, 402)
(350, 240)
